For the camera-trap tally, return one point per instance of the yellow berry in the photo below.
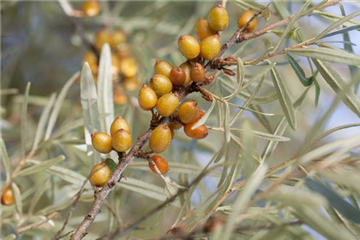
(119, 123)
(116, 38)
(203, 29)
(147, 98)
(160, 138)
(161, 164)
(101, 142)
(100, 174)
(163, 68)
(161, 84)
(90, 58)
(189, 111)
(128, 67)
(101, 37)
(197, 73)
(121, 140)
(244, 18)
(131, 84)
(210, 47)
(186, 66)
(91, 8)
(7, 196)
(188, 46)
(167, 104)
(120, 98)
(178, 76)
(218, 18)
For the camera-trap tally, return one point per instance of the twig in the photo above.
(37, 224)
(119, 221)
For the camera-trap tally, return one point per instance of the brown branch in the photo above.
(37, 224)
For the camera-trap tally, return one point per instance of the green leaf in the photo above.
(345, 208)
(240, 73)
(17, 195)
(329, 55)
(68, 175)
(342, 31)
(339, 86)
(39, 192)
(299, 71)
(292, 34)
(248, 142)
(9, 237)
(284, 98)
(250, 4)
(206, 115)
(317, 92)
(24, 129)
(111, 164)
(41, 166)
(5, 158)
(58, 104)
(290, 198)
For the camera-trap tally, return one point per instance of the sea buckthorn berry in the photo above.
(91, 8)
(131, 84)
(203, 29)
(121, 140)
(188, 46)
(115, 64)
(218, 18)
(120, 98)
(116, 38)
(119, 123)
(198, 133)
(161, 164)
(101, 142)
(128, 67)
(100, 174)
(167, 104)
(210, 47)
(245, 17)
(186, 66)
(147, 98)
(197, 73)
(160, 138)
(178, 76)
(7, 196)
(163, 68)
(161, 84)
(90, 58)
(101, 37)
(189, 111)
(175, 125)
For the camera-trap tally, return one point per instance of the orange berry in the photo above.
(186, 66)
(167, 104)
(101, 142)
(203, 29)
(121, 140)
(197, 73)
(189, 111)
(163, 68)
(100, 174)
(128, 67)
(160, 163)
(90, 58)
(218, 18)
(116, 38)
(7, 196)
(91, 8)
(147, 98)
(178, 76)
(244, 18)
(161, 84)
(101, 37)
(188, 46)
(210, 47)
(198, 133)
(160, 138)
(119, 123)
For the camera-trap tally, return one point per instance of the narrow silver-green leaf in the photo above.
(329, 55)
(240, 73)
(17, 195)
(206, 115)
(248, 142)
(284, 98)
(24, 129)
(299, 71)
(67, 175)
(44, 186)
(337, 83)
(41, 166)
(5, 158)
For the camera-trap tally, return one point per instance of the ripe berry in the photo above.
(163, 67)
(147, 98)
(120, 98)
(189, 111)
(186, 66)
(178, 76)
(175, 125)
(100, 174)
(101, 37)
(198, 133)
(119, 123)
(160, 138)
(131, 84)
(128, 67)
(160, 163)
(218, 18)
(101, 142)
(161, 84)
(203, 29)
(115, 66)
(91, 8)
(90, 58)
(121, 140)
(7, 196)
(210, 47)
(116, 38)
(197, 73)
(167, 104)
(245, 17)
(189, 46)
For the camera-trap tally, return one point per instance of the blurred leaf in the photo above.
(17, 196)
(299, 71)
(206, 115)
(317, 92)
(41, 166)
(329, 55)
(68, 175)
(39, 192)
(90, 110)
(5, 158)
(337, 83)
(9, 237)
(58, 104)
(240, 73)
(248, 161)
(284, 98)
(42, 122)
(292, 34)
(24, 129)
(291, 198)
(346, 209)
(250, 4)
(227, 123)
